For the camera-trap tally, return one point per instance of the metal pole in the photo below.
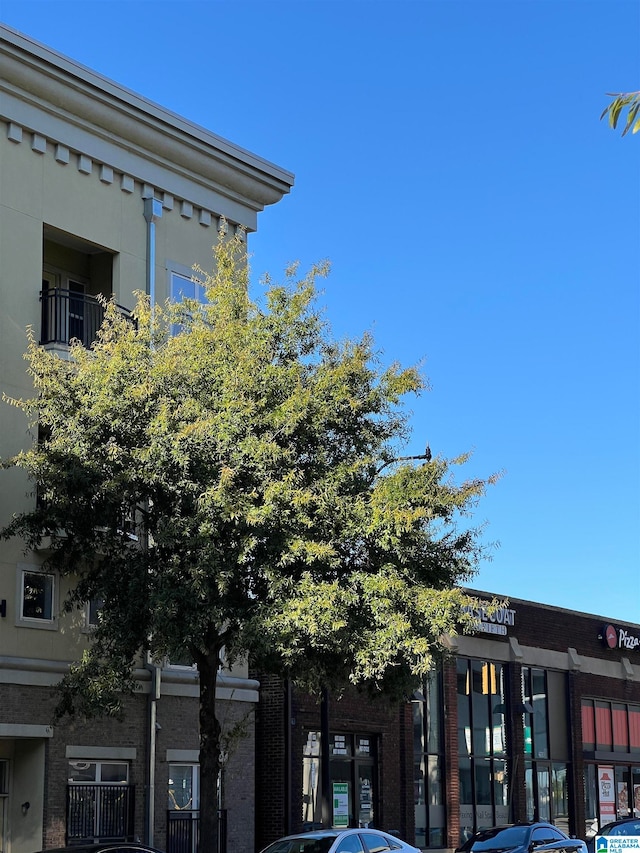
(152, 212)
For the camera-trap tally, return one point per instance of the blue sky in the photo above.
(480, 220)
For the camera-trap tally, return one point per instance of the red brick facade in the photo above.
(568, 647)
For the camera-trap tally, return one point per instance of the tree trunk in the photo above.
(209, 754)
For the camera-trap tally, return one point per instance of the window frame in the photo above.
(43, 623)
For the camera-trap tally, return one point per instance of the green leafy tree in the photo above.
(621, 101)
(275, 517)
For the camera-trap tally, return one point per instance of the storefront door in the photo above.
(364, 788)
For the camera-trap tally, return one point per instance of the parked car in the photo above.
(625, 826)
(522, 838)
(104, 847)
(340, 841)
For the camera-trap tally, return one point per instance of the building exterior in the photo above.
(101, 192)
(535, 715)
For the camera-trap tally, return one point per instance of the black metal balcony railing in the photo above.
(67, 314)
(100, 813)
(183, 831)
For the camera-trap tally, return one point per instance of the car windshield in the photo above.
(629, 828)
(302, 844)
(499, 839)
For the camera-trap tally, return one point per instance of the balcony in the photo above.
(97, 813)
(183, 831)
(68, 314)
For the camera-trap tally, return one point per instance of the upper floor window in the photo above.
(93, 612)
(185, 287)
(37, 596)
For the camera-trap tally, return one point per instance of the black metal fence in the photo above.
(100, 813)
(183, 831)
(68, 314)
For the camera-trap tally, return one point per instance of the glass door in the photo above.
(364, 794)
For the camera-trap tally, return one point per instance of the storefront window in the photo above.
(544, 803)
(481, 673)
(612, 792)
(529, 790)
(501, 792)
(311, 802)
(590, 801)
(352, 774)
(429, 806)
(560, 794)
(635, 787)
(467, 816)
(540, 717)
(622, 793)
(535, 717)
(464, 707)
(482, 745)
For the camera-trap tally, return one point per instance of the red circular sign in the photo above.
(611, 636)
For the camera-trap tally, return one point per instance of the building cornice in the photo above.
(50, 94)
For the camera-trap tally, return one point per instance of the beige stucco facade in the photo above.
(79, 157)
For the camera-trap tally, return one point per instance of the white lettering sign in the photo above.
(492, 621)
(626, 640)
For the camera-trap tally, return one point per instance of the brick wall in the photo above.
(178, 721)
(282, 732)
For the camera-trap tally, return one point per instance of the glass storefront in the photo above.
(428, 762)
(482, 745)
(546, 781)
(352, 773)
(611, 784)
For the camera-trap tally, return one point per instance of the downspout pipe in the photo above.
(152, 732)
(152, 212)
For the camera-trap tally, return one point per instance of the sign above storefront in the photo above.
(492, 620)
(618, 638)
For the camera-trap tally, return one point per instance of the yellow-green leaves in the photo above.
(622, 101)
(225, 473)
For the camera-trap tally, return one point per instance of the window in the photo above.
(183, 804)
(375, 843)
(93, 611)
(350, 844)
(482, 745)
(185, 287)
(37, 597)
(610, 726)
(100, 801)
(184, 787)
(181, 287)
(352, 777)
(428, 761)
